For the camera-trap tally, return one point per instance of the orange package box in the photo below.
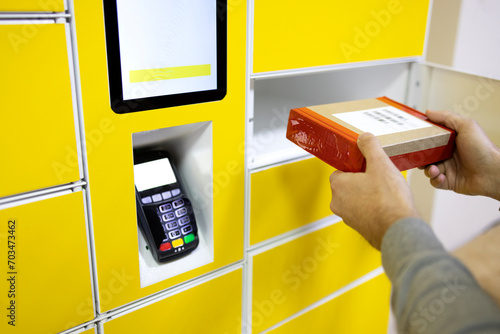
(330, 132)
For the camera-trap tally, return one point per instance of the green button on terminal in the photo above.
(189, 238)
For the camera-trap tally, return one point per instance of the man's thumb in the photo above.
(372, 150)
(447, 118)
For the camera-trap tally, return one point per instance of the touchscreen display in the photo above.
(165, 53)
(171, 51)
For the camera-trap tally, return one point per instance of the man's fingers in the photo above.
(447, 118)
(440, 182)
(372, 150)
(336, 180)
(433, 171)
(336, 185)
(334, 175)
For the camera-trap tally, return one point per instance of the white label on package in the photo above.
(382, 121)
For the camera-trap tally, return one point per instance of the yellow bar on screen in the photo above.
(168, 73)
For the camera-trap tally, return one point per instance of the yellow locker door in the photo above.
(46, 261)
(32, 5)
(37, 128)
(292, 276)
(211, 307)
(364, 309)
(286, 197)
(297, 34)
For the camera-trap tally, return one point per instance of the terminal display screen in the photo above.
(153, 174)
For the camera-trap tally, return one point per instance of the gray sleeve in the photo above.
(433, 292)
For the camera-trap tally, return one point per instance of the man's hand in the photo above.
(371, 202)
(474, 168)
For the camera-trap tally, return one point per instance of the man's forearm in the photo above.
(432, 291)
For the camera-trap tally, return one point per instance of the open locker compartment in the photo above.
(274, 97)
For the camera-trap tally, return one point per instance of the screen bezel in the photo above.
(121, 106)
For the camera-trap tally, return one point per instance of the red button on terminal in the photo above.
(165, 247)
